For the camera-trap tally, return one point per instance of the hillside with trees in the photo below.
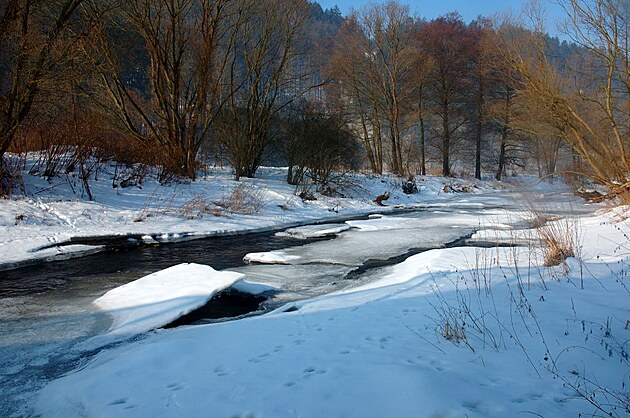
(267, 208)
(183, 84)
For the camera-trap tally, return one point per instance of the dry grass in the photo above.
(559, 236)
(454, 332)
(197, 207)
(243, 199)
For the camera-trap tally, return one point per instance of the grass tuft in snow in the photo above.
(197, 207)
(560, 238)
(245, 199)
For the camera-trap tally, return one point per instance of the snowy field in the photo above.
(449, 332)
(477, 332)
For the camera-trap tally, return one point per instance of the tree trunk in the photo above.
(379, 146)
(478, 151)
(502, 154)
(5, 141)
(479, 126)
(395, 163)
(423, 165)
(446, 143)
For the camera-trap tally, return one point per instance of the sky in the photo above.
(469, 9)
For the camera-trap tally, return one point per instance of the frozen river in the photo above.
(46, 311)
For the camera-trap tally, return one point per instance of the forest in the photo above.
(183, 85)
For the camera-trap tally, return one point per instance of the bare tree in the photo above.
(446, 40)
(266, 72)
(188, 43)
(588, 102)
(350, 67)
(31, 58)
(483, 58)
(501, 111)
(390, 29)
(377, 59)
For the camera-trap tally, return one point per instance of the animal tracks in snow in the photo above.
(122, 403)
(307, 374)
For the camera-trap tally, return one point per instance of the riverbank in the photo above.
(478, 332)
(54, 220)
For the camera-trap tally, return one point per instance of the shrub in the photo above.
(10, 176)
(243, 199)
(197, 207)
(317, 144)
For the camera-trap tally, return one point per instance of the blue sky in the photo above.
(469, 9)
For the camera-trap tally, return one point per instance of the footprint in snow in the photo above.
(220, 371)
(312, 371)
(260, 357)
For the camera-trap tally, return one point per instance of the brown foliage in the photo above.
(35, 47)
(448, 42)
(587, 101)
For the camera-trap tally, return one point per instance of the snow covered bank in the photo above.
(160, 298)
(39, 225)
(474, 332)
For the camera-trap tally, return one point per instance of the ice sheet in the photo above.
(314, 231)
(162, 297)
(271, 257)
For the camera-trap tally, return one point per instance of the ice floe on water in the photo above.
(160, 298)
(270, 257)
(314, 231)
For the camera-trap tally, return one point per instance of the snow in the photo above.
(51, 213)
(314, 231)
(270, 257)
(512, 236)
(522, 339)
(254, 288)
(160, 298)
(533, 338)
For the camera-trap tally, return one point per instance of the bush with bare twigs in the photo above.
(10, 177)
(243, 199)
(197, 207)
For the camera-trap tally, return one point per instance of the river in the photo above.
(46, 314)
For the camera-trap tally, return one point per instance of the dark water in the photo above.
(46, 309)
(227, 304)
(131, 263)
